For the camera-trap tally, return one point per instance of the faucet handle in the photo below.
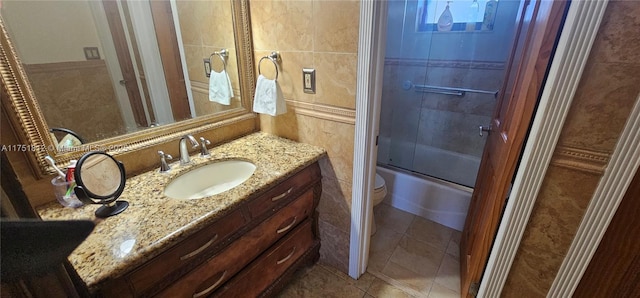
(164, 166)
(203, 146)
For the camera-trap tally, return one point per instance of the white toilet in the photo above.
(379, 192)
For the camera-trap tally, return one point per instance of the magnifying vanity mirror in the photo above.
(100, 179)
(120, 73)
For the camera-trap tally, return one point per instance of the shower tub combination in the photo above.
(435, 199)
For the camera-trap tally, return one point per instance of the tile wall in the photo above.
(321, 35)
(608, 89)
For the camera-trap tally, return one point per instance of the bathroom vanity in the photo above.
(244, 242)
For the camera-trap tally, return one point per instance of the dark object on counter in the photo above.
(100, 179)
(34, 247)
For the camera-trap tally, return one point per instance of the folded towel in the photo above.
(220, 89)
(268, 98)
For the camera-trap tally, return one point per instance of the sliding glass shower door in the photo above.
(440, 84)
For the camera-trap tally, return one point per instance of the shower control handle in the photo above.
(484, 128)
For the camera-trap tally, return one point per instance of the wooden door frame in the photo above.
(577, 36)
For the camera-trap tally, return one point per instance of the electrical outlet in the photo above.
(309, 80)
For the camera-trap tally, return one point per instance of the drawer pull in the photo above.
(278, 197)
(287, 257)
(280, 231)
(209, 289)
(200, 249)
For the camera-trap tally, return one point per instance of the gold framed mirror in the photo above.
(24, 112)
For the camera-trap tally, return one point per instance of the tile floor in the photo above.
(409, 257)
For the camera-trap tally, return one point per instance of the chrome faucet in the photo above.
(203, 146)
(164, 166)
(184, 153)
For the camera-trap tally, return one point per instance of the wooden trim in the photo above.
(602, 207)
(614, 270)
(580, 159)
(371, 44)
(573, 49)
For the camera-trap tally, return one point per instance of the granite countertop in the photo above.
(154, 222)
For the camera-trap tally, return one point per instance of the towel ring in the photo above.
(274, 57)
(223, 54)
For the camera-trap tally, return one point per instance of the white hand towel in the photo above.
(220, 89)
(268, 98)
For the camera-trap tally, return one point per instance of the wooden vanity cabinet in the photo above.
(251, 251)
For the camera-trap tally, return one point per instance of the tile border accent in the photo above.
(63, 66)
(203, 88)
(199, 87)
(466, 64)
(602, 207)
(325, 112)
(580, 159)
(320, 111)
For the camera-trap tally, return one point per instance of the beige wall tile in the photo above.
(336, 79)
(601, 105)
(619, 30)
(554, 221)
(336, 138)
(334, 250)
(530, 270)
(282, 25)
(335, 203)
(336, 26)
(195, 65)
(216, 23)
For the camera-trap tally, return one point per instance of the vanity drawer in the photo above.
(271, 265)
(198, 244)
(214, 272)
(284, 191)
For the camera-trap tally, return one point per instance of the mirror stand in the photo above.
(111, 209)
(100, 179)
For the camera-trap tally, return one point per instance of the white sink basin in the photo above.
(210, 179)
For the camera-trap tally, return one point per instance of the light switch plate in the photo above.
(207, 67)
(309, 80)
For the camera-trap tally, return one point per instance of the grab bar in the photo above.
(407, 85)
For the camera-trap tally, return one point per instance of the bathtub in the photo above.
(437, 200)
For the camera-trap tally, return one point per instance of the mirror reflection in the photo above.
(106, 68)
